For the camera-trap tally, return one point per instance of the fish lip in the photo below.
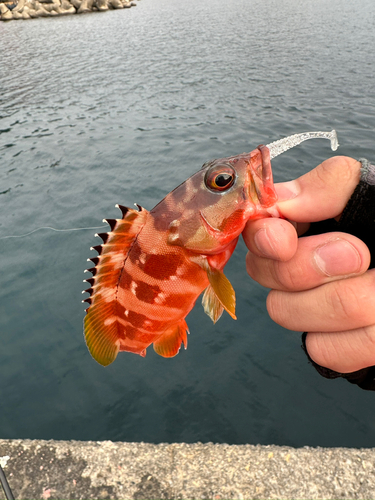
(249, 192)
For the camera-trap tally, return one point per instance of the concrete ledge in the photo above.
(105, 470)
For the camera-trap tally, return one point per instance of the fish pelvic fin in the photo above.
(102, 328)
(219, 295)
(169, 343)
(211, 304)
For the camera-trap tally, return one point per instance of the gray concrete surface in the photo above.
(105, 470)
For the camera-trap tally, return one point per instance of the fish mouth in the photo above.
(260, 179)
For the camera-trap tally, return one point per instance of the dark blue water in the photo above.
(120, 107)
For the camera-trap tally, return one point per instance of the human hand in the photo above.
(319, 284)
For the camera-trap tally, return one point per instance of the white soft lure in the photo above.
(282, 145)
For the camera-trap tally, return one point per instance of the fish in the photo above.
(153, 265)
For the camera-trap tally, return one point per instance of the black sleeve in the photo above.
(358, 219)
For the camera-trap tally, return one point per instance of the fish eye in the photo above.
(220, 178)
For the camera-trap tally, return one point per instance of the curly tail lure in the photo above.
(153, 265)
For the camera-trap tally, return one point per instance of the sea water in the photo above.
(120, 107)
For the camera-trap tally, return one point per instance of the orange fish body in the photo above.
(152, 266)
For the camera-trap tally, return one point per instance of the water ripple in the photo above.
(120, 108)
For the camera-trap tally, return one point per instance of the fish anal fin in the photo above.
(170, 342)
(223, 290)
(211, 304)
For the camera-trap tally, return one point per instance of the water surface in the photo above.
(120, 107)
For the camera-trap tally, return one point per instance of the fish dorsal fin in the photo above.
(219, 295)
(170, 342)
(102, 330)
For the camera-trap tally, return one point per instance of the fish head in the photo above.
(210, 209)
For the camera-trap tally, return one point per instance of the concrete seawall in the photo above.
(29, 9)
(106, 470)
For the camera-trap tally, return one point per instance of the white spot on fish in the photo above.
(142, 258)
(159, 299)
(133, 287)
(180, 271)
(110, 321)
(173, 237)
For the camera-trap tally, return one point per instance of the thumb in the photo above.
(320, 194)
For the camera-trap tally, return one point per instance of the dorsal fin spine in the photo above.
(92, 270)
(103, 236)
(124, 210)
(98, 248)
(111, 222)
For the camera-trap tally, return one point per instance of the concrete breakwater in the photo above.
(28, 9)
(180, 471)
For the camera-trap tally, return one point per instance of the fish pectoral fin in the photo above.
(170, 342)
(211, 304)
(222, 288)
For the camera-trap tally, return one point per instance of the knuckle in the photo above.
(272, 305)
(287, 276)
(277, 308)
(343, 300)
(320, 348)
(326, 174)
(369, 334)
(348, 168)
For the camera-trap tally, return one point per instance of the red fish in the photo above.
(152, 266)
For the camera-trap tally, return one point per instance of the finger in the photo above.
(272, 238)
(320, 194)
(343, 304)
(344, 352)
(318, 260)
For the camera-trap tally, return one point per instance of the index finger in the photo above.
(320, 194)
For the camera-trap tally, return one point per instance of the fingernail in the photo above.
(287, 190)
(264, 243)
(337, 257)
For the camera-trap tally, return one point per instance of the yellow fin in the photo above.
(101, 341)
(170, 342)
(211, 304)
(223, 290)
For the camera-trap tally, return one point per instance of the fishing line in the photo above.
(5, 485)
(52, 229)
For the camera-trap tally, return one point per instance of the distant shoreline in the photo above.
(30, 9)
